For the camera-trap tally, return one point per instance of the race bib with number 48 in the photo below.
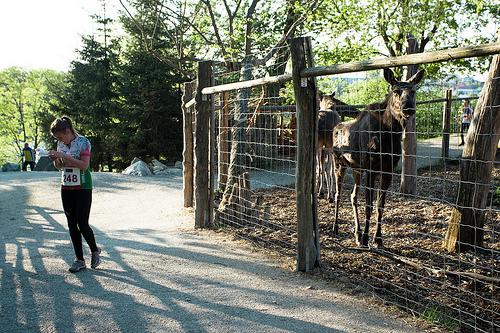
(71, 177)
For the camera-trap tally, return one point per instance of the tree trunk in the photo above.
(237, 158)
(465, 231)
(223, 143)
(188, 154)
(409, 154)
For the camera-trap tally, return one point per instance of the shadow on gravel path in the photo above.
(154, 277)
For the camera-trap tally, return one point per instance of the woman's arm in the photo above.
(66, 160)
(70, 161)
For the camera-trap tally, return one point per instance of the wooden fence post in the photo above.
(187, 154)
(223, 150)
(306, 104)
(201, 146)
(445, 152)
(409, 152)
(212, 159)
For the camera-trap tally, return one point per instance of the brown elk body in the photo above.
(328, 118)
(371, 144)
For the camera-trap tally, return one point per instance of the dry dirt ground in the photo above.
(413, 271)
(157, 274)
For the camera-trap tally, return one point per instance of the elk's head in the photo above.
(402, 99)
(326, 102)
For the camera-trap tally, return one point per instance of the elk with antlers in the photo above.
(371, 144)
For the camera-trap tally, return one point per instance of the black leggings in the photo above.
(76, 204)
(463, 130)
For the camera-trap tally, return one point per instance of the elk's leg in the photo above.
(319, 173)
(354, 202)
(385, 182)
(369, 194)
(339, 179)
(329, 174)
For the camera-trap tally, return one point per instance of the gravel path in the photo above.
(157, 275)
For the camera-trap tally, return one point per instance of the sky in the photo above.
(46, 33)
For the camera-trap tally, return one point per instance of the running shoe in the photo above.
(78, 265)
(96, 259)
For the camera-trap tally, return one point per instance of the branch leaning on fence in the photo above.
(358, 66)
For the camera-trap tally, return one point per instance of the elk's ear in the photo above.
(389, 76)
(415, 79)
(320, 94)
(332, 94)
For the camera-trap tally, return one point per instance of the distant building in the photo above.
(468, 87)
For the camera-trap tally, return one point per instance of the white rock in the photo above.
(158, 167)
(136, 159)
(139, 168)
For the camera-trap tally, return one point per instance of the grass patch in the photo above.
(437, 315)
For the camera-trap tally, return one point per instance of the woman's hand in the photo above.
(54, 155)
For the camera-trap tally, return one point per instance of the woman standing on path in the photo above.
(73, 159)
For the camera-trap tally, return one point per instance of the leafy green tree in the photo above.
(150, 123)
(24, 101)
(365, 92)
(227, 29)
(15, 120)
(91, 99)
(358, 30)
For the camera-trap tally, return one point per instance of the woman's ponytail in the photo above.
(61, 124)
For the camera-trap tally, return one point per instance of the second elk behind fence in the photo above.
(328, 118)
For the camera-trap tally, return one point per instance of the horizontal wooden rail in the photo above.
(360, 66)
(405, 60)
(283, 108)
(190, 103)
(247, 84)
(357, 107)
(439, 100)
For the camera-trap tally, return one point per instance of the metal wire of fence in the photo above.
(262, 162)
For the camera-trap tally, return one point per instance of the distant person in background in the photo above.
(466, 118)
(28, 158)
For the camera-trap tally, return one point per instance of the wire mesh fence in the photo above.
(255, 147)
(255, 151)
